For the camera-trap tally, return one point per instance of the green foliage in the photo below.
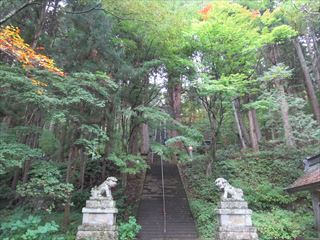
(30, 228)
(48, 143)
(282, 33)
(281, 224)
(128, 163)
(204, 215)
(93, 139)
(45, 184)
(13, 153)
(262, 176)
(129, 230)
(304, 128)
(228, 39)
(79, 198)
(266, 196)
(232, 85)
(277, 72)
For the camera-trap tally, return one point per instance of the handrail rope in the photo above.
(163, 199)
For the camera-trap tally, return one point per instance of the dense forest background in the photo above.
(90, 89)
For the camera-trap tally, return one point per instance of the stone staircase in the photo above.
(179, 222)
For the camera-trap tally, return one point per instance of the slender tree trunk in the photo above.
(63, 135)
(35, 120)
(71, 156)
(316, 53)
(243, 135)
(308, 82)
(15, 179)
(83, 161)
(240, 130)
(212, 156)
(145, 139)
(40, 25)
(256, 124)
(213, 146)
(285, 116)
(14, 11)
(313, 57)
(253, 130)
(175, 104)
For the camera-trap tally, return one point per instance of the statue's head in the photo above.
(221, 183)
(112, 181)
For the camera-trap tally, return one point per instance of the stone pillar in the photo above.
(99, 220)
(234, 219)
(99, 214)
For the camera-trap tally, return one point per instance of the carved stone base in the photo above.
(87, 232)
(243, 233)
(234, 220)
(99, 220)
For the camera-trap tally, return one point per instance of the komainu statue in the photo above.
(229, 192)
(104, 189)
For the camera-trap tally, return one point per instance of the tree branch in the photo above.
(15, 11)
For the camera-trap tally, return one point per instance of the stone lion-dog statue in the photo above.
(104, 189)
(229, 192)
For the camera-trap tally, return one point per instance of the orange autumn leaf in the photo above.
(13, 44)
(255, 14)
(205, 11)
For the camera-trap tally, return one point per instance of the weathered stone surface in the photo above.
(104, 189)
(234, 216)
(229, 192)
(97, 235)
(238, 235)
(99, 215)
(231, 204)
(227, 219)
(100, 203)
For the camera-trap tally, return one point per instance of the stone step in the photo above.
(180, 224)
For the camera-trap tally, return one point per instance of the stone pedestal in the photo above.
(234, 219)
(99, 220)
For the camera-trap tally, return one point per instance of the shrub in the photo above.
(29, 228)
(129, 230)
(281, 224)
(79, 198)
(204, 215)
(266, 196)
(45, 185)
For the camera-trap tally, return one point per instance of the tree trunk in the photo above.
(285, 116)
(314, 59)
(212, 156)
(239, 123)
(308, 82)
(32, 118)
(15, 179)
(145, 139)
(316, 53)
(40, 25)
(110, 122)
(256, 124)
(253, 130)
(71, 156)
(213, 147)
(83, 161)
(175, 105)
(14, 11)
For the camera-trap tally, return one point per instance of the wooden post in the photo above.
(316, 208)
